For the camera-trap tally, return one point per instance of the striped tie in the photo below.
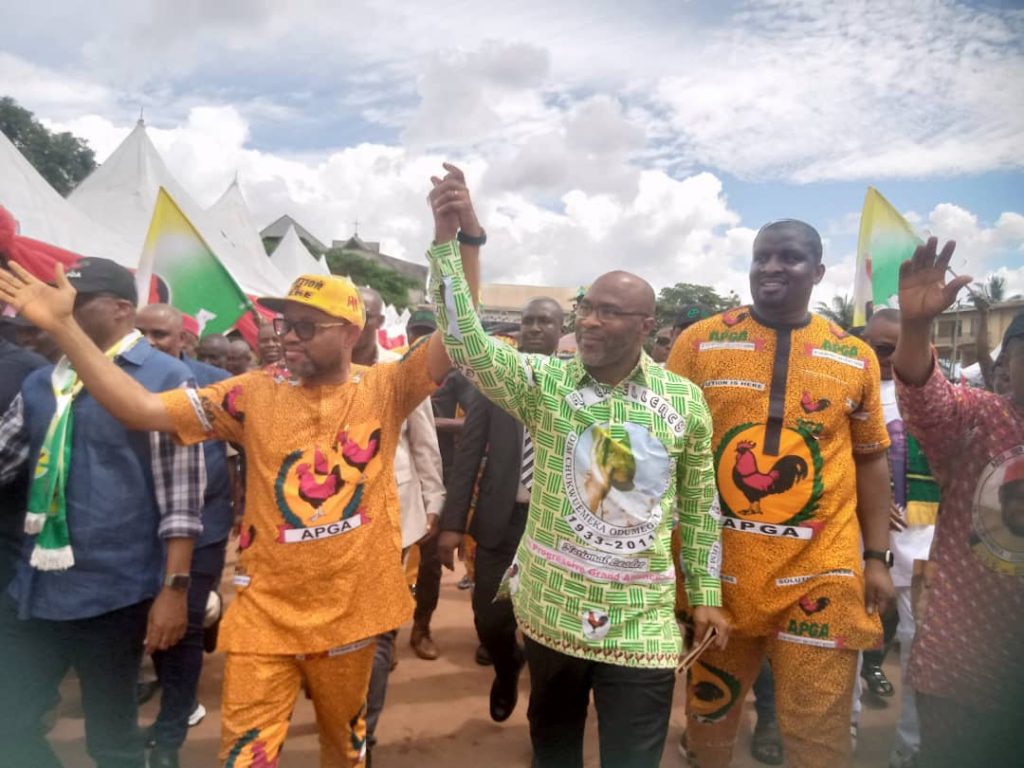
(526, 476)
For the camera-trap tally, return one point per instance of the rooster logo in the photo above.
(595, 624)
(810, 606)
(312, 489)
(782, 488)
(356, 455)
(755, 484)
(734, 316)
(810, 405)
(326, 484)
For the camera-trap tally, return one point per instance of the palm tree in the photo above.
(992, 291)
(839, 311)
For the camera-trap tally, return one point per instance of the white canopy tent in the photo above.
(231, 214)
(292, 258)
(122, 192)
(44, 215)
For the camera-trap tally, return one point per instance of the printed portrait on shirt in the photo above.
(997, 516)
(616, 477)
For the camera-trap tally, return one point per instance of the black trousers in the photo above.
(428, 583)
(495, 621)
(179, 667)
(633, 708)
(104, 651)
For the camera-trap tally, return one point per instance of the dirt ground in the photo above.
(436, 713)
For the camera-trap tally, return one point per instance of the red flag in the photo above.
(37, 257)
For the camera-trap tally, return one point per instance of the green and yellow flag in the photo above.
(189, 275)
(886, 241)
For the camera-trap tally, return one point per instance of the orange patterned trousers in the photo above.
(813, 699)
(260, 693)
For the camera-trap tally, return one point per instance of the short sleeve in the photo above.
(680, 359)
(215, 412)
(867, 423)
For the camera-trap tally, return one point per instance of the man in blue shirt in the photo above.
(125, 499)
(178, 668)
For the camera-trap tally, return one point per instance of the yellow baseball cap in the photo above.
(337, 296)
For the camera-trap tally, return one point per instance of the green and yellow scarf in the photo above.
(47, 508)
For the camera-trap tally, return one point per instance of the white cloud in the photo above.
(595, 134)
(978, 247)
(800, 90)
(811, 91)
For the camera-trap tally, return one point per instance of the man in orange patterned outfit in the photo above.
(802, 475)
(320, 574)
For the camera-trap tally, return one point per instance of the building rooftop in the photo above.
(277, 229)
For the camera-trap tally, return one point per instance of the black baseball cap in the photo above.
(96, 275)
(690, 314)
(422, 318)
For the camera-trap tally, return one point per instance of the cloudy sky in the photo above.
(655, 134)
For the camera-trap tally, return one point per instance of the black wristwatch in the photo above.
(179, 582)
(884, 555)
(476, 240)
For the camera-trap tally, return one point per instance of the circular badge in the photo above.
(781, 489)
(615, 479)
(325, 484)
(997, 516)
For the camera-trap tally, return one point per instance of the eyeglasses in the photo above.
(304, 329)
(662, 341)
(604, 312)
(884, 350)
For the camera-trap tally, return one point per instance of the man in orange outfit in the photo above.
(319, 575)
(802, 476)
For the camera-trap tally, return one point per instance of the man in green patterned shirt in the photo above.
(622, 453)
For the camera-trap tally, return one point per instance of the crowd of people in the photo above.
(785, 494)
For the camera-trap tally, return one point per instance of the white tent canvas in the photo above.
(231, 214)
(44, 215)
(122, 192)
(292, 258)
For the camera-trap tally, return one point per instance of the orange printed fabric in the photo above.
(791, 407)
(320, 560)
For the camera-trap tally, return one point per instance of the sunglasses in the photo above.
(662, 341)
(884, 350)
(304, 329)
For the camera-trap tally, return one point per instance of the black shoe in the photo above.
(483, 658)
(160, 758)
(504, 695)
(877, 681)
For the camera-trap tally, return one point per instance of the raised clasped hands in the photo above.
(924, 292)
(452, 206)
(45, 306)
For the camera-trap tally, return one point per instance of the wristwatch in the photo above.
(179, 582)
(884, 555)
(476, 240)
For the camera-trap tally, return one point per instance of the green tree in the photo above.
(393, 287)
(839, 311)
(672, 299)
(992, 291)
(61, 159)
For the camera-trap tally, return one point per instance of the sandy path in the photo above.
(437, 713)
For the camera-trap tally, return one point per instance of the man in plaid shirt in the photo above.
(126, 496)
